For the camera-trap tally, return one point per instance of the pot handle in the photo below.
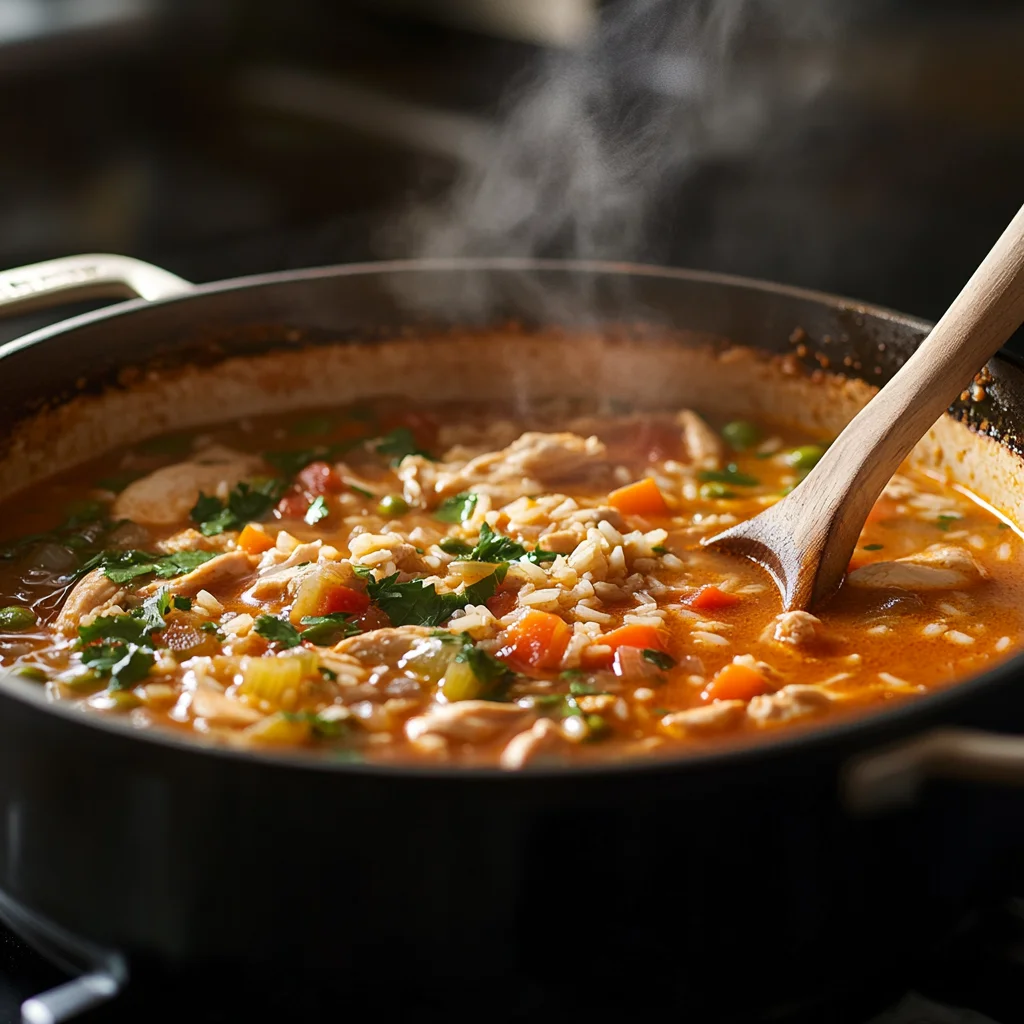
(892, 777)
(96, 276)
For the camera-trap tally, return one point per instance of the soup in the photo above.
(460, 583)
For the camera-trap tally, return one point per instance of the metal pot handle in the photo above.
(891, 777)
(96, 276)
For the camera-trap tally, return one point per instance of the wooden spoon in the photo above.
(806, 540)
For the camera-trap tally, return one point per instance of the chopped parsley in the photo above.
(317, 510)
(413, 604)
(122, 647)
(276, 630)
(873, 547)
(730, 475)
(493, 547)
(247, 502)
(495, 675)
(659, 658)
(399, 443)
(324, 630)
(125, 566)
(945, 521)
(183, 604)
(457, 509)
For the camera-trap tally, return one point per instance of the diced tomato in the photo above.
(502, 603)
(642, 498)
(293, 506)
(735, 682)
(254, 541)
(711, 599)
(344, 599)
(536, 641)
(320, 478)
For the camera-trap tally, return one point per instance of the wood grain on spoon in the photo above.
(806, 540)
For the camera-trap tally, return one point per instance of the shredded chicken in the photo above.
(939, 567)
(702, 444)
(167, 495)
(382, 646)
(710, 718)
(91, 594)
(221, 569)
(793, 701)
(533, 462)
(799, 629)
(192, 540)
(468, 721)
(542, 739)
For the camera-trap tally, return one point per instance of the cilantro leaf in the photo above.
(324, 630)
(456, 509)
(125, 628)
(277, 630)
(317, 510)
(494, 674)
(133, 667)
(413, 604)
(493, 547)
(154, 609)
(125, 566)
(659, 658)
(183, 604)
(399, 443)
(247, 502)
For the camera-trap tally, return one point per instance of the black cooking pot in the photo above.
(727, 880)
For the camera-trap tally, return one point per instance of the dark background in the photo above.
(220, 138)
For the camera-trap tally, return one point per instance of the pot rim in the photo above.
(804, 739)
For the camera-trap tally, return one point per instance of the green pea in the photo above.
(16, 617)
(805, 457)
(597, 725)
(392, 505)
(712, 492)
(741, 434)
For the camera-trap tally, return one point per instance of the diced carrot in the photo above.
(254, 541)
(642, 498)
(735, 682)
(536, 641)
(344, 599)
(711, 599)
(644, 637)
(320, 478)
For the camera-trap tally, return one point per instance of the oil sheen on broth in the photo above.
(460, 584)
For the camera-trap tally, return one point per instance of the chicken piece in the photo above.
(709, 718)
(192, 540)
(793, 701)
(467, 721)
(167, 495)
(534, 461)
(702, 444)
(939, 567)
(402, 553)
(799, 629)
(541, 740)
(90, 595)
(219, 570)
(382, 646)
(563, 542)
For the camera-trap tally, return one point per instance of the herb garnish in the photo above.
(659, 658)
(457, 509)
(399, 443)
(493, 547)
(495, 675)
(246, 503)
(945, 521)
(276, 630)
(324, 630)
(413, 604)
(873, 547)
(317, 510)
(125, 566)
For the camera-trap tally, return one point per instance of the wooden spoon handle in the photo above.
(864, 457)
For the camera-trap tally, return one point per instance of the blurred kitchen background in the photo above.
(869, 147)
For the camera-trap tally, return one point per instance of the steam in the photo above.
(597, 147)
